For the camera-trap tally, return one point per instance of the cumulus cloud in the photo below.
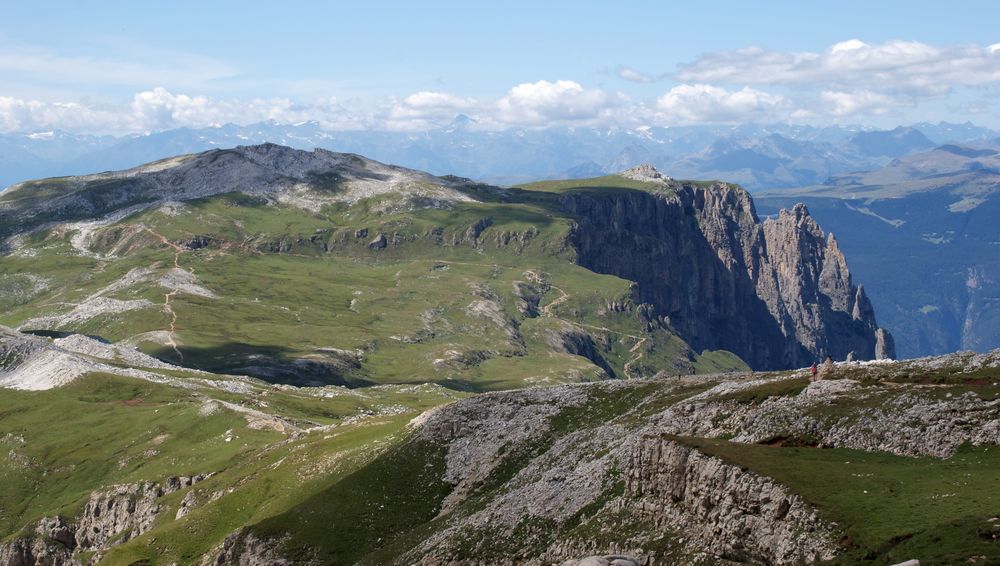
(543, 103)
(702, 103)
(27, 115)
(842, 104)
(912, 68)
(160, 109)
(427, 108)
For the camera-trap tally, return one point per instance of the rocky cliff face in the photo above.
(777, 293)
(608, 489)
(659, 471)
(110, 517)
(743, 517)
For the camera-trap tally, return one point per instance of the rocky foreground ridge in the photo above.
(551, 475)
(642, 470)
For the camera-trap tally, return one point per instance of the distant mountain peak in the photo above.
(645, 172)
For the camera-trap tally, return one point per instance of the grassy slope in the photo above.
(892, 508)
(112, 430)
(405, 306)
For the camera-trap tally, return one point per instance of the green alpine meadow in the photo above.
(499, 284)
(265, 355)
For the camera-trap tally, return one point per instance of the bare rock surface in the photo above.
(777, 293)
(602, 458)
(736, 514)
(609, 472)
(34, 363)
(297, 178)
(246, 549)
(911, 420)
(110, 517)
(646, 173)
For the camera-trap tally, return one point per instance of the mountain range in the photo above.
(756, 156)
(264, 355)
(688, 262)
(780, 161)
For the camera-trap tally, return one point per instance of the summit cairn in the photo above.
(645, 172)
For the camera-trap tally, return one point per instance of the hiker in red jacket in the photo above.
(815, 370)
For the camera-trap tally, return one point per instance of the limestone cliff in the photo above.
(109, 517)
(663, 471)
(777, 293)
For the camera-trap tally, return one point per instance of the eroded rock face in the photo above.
(828, 314)
(776, 293)
(639, 484)
(908, 422)
(51, 545)
(587, 474)
(123, 512)
(110, 517)
(734, 513)
(246, 549)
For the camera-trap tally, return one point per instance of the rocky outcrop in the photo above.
(637, 470)
(776, 293)
(570, 339)
(272, 172)
(646, 173)
(628, 484)
(246, 549)
(123, 512)
(736, 514)
(51, 544)
(110, 517)
(815, 299)
(905, 421)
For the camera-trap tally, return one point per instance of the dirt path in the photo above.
(168, 297)
(547, 309)
(563, 297)
(627, 368)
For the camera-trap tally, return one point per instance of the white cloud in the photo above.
(531, 104)
(842, 104)
(911, 68)
(27, 115)
(543, 103)
(701, 103)
(428, 108)
(630, 74)
(160, 109)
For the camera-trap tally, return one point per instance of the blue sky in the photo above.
(131, 66)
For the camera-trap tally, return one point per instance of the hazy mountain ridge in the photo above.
(757, 156)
